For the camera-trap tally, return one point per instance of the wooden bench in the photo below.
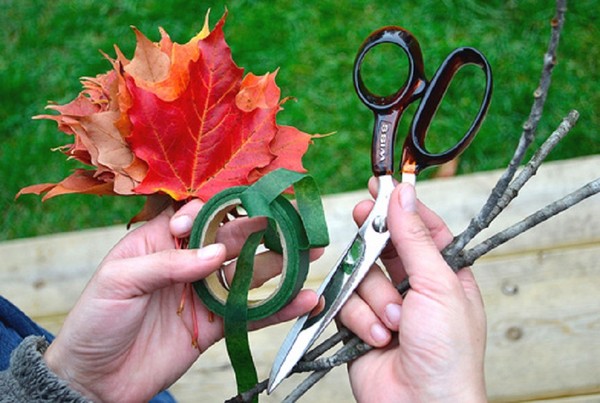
(542, 290)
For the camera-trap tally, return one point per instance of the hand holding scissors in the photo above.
(373, 235)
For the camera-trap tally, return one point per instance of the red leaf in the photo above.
(200, 142)
(288, 147)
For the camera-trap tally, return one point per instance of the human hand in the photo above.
(438, 351)
(123, 340)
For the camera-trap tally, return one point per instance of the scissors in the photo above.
(373, 235)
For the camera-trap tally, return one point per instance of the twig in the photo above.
(515, 186)
(483, 219)
(532, 166)
(308, 383)
(333, 340)
(469, 257)
(248, 395)
(349, 352)
(321, 367)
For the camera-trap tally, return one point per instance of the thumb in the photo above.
(422, 261)
(146, 274)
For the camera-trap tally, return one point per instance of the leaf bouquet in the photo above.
(175, 122)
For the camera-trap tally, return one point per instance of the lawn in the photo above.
(46, 46)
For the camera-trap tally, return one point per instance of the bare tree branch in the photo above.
(469, 257)
(352, 350)
(483, 219)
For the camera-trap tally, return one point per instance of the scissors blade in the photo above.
(341, 281)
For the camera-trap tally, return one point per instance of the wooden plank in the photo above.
(543, 323)
(45, 275)
(42, 263)
(595, 398)
(555, 311)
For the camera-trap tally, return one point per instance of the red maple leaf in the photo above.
(215, 134)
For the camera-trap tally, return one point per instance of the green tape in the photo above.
(235, 322)
(290, 232)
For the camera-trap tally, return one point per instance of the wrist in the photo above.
(465, 390)
(60, 365)
(33, 379)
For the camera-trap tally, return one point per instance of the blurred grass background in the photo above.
(46, 46)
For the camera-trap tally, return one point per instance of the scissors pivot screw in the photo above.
(379, 224)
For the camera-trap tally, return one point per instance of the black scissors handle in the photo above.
(388, 109)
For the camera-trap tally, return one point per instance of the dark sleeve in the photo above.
(28, 379)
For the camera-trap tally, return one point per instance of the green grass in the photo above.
(46, 46)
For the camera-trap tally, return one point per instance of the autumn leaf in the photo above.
(217, 133)
(163, 68)
(81, 181)
(258, 92)
(288, 147)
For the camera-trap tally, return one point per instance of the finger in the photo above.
(440, 234)
(126, 278)
(233, 234)
(412, 239)
(373, 185)
(303, 303)
(182, 221)
(315, 254)
(469, 284)
(358, 316)
(382, 297)
(475, 299)
(439, 231)
(266, 266)
(361, 211)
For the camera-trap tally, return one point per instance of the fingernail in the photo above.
(182, 224)
(408, 197)
(392, 314)
(380, 334)
(210, 251)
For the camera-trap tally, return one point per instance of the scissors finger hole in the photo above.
(382, 69)
(458, 108)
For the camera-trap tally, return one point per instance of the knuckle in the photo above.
(418, 233)
(354, 315)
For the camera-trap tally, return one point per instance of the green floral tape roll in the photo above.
(290, 232)
(264, 199)
(214, 294)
